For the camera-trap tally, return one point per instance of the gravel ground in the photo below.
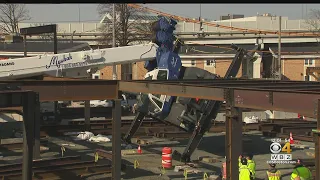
(149, 162)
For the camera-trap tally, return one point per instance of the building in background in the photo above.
(231, 16)
(304, 50)
(16, 50)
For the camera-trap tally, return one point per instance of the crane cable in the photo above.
(180, 18)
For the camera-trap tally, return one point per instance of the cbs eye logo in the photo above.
(276, 148)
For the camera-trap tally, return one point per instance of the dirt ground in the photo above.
(150, 160)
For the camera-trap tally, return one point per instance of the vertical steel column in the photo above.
(233, 136)
(36, 147)
(55, 41)
(28, 134)
(25, 45)
(55, 51)
(279, 51)
(116, 140)
(317, 142)
(114, 67)
(87, 115)
(245, 66)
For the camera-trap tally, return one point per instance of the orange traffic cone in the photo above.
(139, 149)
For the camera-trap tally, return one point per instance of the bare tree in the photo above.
(11, 15)
(128, 28)
(313, 20)
(313, 25)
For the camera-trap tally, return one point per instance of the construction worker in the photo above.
(251, 165)
(273, 173)
(244, 171)
(239, 160)
(300, 172)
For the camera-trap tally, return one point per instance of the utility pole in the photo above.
(200, 19)
(302, 15)
(79, 12)
(114, 67)
(279, 50)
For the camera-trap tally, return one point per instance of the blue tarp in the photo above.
(164, 25)
(164, 36)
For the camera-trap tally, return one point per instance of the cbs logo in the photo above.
(276, 148)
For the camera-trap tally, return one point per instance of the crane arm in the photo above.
(56, 64)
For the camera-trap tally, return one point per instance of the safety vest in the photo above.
(252, 167)
(244, 173)
(239, 162)
(274, 176)
(302, 172)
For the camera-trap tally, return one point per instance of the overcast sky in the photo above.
(88, 12)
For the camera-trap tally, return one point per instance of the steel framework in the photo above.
(289, 96)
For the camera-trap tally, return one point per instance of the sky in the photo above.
(55, 13)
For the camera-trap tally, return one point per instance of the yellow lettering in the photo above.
(286, 148)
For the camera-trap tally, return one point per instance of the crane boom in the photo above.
(75, 63)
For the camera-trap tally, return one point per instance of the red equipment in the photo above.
(166, 157)
(139, 149)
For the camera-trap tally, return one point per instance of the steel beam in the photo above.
(238, 83)
(317, 142)
(87, 114)
(212, 82)
(36, 147)
(233, 137)
(38, 30)
(28, 100)
(279, 100)
(116, 140)
(173, 90)
(272, 99)
(25, 45)
(75, 90)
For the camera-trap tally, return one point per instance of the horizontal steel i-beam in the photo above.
(287, 101)
(38, 30)
(302, 102)
(173, 90)
(70, 90)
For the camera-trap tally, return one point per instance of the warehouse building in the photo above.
(298, 52)
(294, 65)
(16, 50)
(212, 59)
